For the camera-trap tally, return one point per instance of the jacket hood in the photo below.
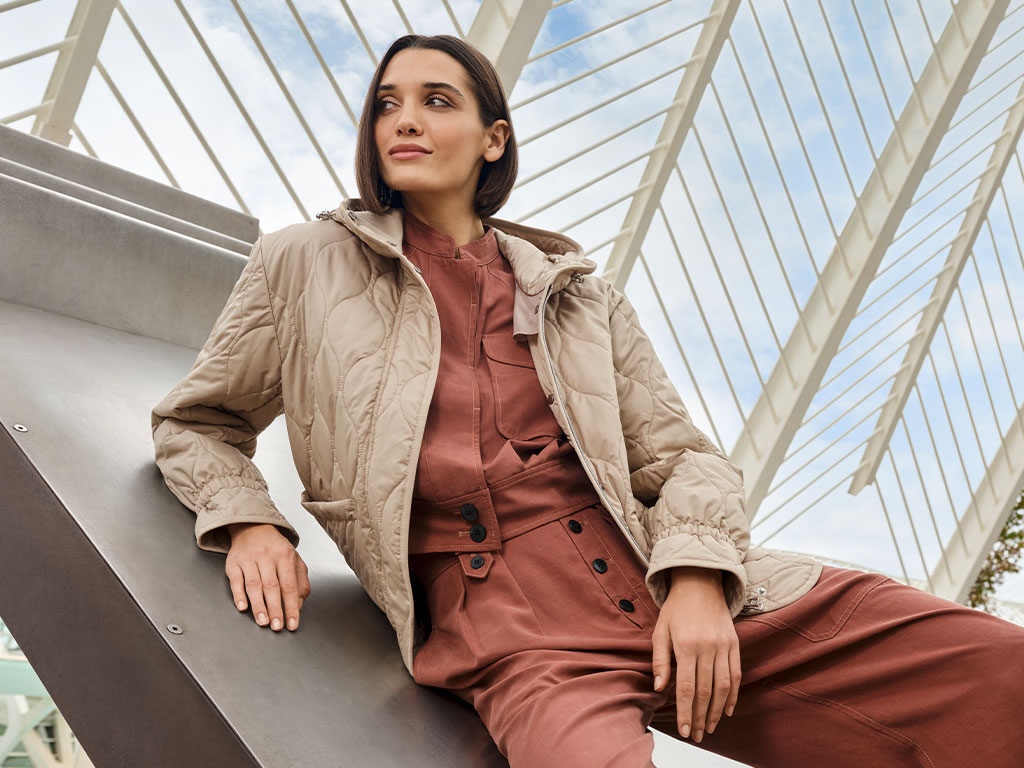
(537, 256)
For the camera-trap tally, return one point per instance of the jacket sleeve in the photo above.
(698, 516)
(205, 429)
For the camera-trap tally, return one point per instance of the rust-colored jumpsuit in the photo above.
(541, 619)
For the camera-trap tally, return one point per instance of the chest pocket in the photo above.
(521, 409)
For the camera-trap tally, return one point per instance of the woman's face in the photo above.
(425, 99)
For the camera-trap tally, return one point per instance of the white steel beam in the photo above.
(934, 310)
(994, 497)
(72, 69)
(868, 232)
(670, 141)
(504, 31)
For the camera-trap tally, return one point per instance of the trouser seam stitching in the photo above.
(841, 620)
(856, 714)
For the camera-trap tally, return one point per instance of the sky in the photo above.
(766, 179)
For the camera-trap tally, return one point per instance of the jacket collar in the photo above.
(538, 257)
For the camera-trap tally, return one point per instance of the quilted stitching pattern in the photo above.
(327, 325)
(698, 515)
(204, 430)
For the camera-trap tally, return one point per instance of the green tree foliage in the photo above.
(1003, 559)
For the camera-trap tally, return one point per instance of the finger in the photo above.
(661, 659)
(254, 588)
(705, 678)
(721, 689)
(271, 591)
(304, 588)
(736, 674)
(287, 568)
(237, 581)
(686, 664)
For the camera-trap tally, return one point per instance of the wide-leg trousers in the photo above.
(549, 639)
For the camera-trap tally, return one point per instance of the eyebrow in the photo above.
(427, 86)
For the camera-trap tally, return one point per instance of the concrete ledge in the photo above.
(65, 255)
(47, 181)
(52, 158)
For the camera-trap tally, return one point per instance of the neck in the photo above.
(455, 221)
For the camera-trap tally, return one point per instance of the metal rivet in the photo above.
(174, 629)
(762, 591)
(20, 428)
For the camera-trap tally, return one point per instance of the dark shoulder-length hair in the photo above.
(496, 179)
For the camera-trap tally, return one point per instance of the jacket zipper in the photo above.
(587, 467)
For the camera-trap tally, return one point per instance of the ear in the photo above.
(497, 137)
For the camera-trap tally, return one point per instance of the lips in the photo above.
(407, 151)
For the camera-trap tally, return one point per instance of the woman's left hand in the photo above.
(696, 624)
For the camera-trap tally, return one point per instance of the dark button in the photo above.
(600, 565)
(574, 526)
(551, 399)
(469, 512)
(478, 532)
(477, 562)
(626, 605)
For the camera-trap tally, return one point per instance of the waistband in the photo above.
(480, 521)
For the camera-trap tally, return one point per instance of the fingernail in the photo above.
(241, 605)
(292, 623)
(686, 730)
(711, 728)
(657, 682)
(262, 618)
(276, 623)
(728, 711)
(698, 736)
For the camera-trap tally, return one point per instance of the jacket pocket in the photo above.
(334, 509)
(336, 517)
(780, 578)
(521, 409)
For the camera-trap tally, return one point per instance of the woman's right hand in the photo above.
(262, 563)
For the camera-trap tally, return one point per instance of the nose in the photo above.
(407, 121)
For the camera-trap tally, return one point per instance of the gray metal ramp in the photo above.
(128, 624)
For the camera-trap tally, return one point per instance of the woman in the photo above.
(483, 427)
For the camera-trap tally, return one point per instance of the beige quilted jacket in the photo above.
(330, 324)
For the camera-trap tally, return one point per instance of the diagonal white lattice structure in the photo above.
(825, 208)
(816, 207)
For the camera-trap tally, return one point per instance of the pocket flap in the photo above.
(334, 509)
(474, 567)
(505, 349)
